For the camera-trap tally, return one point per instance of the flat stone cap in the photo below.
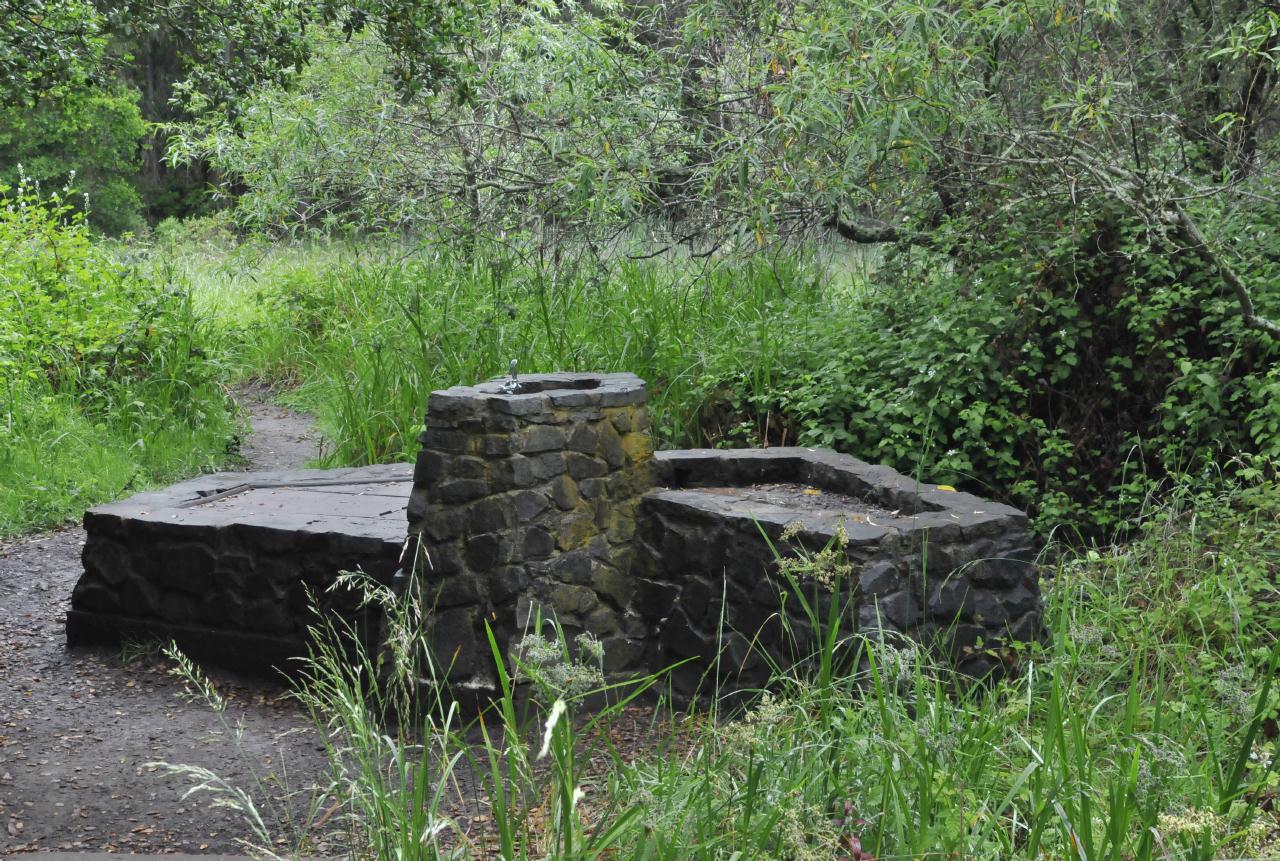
(538, 393)
(366, 501)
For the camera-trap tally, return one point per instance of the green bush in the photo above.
(1069, 370)
(107, 381)
(82, 140)
(67, 307)
(334, 151)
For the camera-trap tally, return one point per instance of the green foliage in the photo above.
(343, 148)
(334, 150)
(46, 43)
(82, 141)
(366, 330)
(1069, 368)
(105, 382)
(65, 303)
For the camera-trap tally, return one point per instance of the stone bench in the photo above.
(227, 563)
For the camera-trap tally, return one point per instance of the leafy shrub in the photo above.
(1068, 369)
(334, 150)
(107, 381)
(66, 307)
(83, 139)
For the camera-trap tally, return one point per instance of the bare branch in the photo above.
(868, 232)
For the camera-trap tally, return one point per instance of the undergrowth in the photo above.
(1144, 728)
(107, 382)
(361, 332)
(1071, 371)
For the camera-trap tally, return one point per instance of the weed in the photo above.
(146, 651)
(365, 331)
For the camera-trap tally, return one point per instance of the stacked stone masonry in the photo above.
(549, 500)
(928, 564)
(525, 502)
(230, 564)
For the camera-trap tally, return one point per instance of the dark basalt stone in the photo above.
(220, 562)
(548, 498)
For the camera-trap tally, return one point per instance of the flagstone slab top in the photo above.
(231, 564)
(367, 502)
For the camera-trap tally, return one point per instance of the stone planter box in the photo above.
(930, 565)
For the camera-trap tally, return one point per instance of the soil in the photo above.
(79, 725)
(281, 438)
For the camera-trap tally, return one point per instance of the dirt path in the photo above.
(281, 438)
(78, 725)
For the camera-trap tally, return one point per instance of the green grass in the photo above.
(62, 455)
(362, 332)
(109, 381)
(1144, 728)
(98, 427)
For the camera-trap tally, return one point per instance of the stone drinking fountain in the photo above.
(543, 495)
(525, 496)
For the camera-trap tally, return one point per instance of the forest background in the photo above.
(1027, 249)
(1024, 248)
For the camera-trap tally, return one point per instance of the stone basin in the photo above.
(929, 564)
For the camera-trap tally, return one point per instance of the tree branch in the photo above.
(867, 232)
(1190, 233)
(1124, 186)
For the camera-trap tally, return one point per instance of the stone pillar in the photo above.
(525, 500)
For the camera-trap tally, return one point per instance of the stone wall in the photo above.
(931, 565)
(525, 500)
(229, 564)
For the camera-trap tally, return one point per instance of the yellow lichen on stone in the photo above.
(638, 447)
(575, 532)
